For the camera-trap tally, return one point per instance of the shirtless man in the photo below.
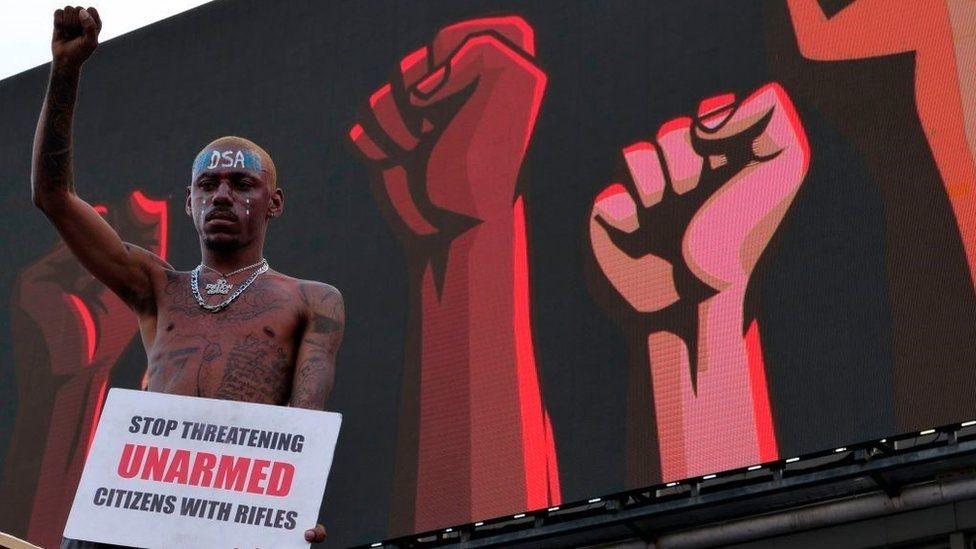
(231, 328)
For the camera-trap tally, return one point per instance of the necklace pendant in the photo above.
(219, 287)
(222, 287)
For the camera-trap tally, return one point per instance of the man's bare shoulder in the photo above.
(159, 272)
(319, 296)
(325, 317)
(313, 294)
(323, 305)
(147, 258)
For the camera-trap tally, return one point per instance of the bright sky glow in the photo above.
(25, 40)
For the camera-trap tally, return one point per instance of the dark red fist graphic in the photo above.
(447, 137)
(449, 132)
(69, 331)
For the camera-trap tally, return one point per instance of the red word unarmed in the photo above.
(240, 474)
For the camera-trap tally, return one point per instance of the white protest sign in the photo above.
(176, 471)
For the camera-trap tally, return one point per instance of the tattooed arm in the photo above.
(125, 268)
(315, 363)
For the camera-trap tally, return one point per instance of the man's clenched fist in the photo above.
(706, 198)
(75, 35)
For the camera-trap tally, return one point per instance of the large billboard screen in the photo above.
(584, 247)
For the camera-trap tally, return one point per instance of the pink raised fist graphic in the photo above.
(679, 245)
(711, 192)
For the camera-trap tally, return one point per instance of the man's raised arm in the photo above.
(124, 268)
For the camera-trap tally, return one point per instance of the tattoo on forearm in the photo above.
(311, 386)
(54, 154)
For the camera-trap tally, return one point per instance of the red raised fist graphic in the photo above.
(69, 331)
(449, 132)
(446, 138)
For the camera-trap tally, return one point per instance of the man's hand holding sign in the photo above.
(230, 329)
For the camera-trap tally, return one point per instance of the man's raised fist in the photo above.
(704, 201)
(75, 35)
(449, 131)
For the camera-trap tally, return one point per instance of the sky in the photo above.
(25, 34)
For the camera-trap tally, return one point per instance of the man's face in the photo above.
(231, 197)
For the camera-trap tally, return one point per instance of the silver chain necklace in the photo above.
(195, 287)
(221, 286)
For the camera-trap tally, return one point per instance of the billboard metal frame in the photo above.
(883, 467)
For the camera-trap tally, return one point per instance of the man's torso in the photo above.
(244, 352)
